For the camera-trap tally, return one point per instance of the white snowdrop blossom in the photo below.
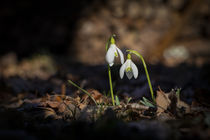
(112, 52)
(129, 68)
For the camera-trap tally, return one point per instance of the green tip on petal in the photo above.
(128, 69)
(129, 56)
(112, 41)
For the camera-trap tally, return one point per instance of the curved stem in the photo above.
(146, 71)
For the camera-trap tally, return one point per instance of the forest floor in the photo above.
(37, 102)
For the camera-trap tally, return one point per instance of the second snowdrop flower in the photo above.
(112, 52)
(129, 68)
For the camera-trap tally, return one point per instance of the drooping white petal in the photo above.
(121, 55)
(134, 70)
(122, 70)
(110, 55)
(114, 47)
(129, 74)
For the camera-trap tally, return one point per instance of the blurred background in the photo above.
(164, 31)
(52, 41)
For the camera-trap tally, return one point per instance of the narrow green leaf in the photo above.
(129, 99)
(71, 82)
(146, 102)
(178, 91)
(117, 100)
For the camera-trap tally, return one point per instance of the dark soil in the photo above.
(34, 107)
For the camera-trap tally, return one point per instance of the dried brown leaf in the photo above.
(43, 112)
(137, 106)
(95, 94)
(181, 104)
(170, 102)
(165, 116)
(82, 106)
(173, 102)
(162, 102)
(53, 104)
(77, 99)
(62, 108)
(58, 98)
(48, 112)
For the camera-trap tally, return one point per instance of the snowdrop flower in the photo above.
(112, 52)
(129, 68)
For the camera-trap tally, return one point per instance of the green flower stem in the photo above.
(110, 84)
(71, 82)
(146, 71)
(111, 40)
